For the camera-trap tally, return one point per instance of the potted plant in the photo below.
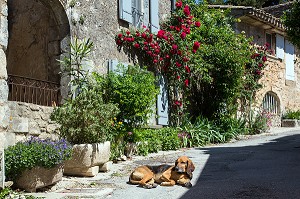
(36, 163)
(85, 120)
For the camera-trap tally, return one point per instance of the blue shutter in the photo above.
(162, 102)
(125, 10)
(289, 61)
(279, 46)
(154, 16)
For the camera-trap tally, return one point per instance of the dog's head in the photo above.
(184, 165)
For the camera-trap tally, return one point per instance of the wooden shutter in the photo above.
(279, 46)
(125, 10)
(162, 102)
(289, 61)
(154, 16)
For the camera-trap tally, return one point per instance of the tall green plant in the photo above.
(134, 90)
(72, 64)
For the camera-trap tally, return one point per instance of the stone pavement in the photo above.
(113, 184)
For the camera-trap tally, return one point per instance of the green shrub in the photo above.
(134, 90)
(292, 115)
(86, 119)
(260, 124)
(169, 138)
(35, 152)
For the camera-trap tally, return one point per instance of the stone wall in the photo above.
(4, 109)
(98, 20)
(30, 120)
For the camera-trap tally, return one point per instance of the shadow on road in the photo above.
(270, 170)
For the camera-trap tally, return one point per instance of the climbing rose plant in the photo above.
(170, 51)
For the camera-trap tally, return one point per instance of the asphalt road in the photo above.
(264, 166)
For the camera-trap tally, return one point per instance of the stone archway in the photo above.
(36, 29)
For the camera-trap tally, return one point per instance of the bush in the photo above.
(134, 90)
(86, 119)
(292, 115)
(153, 140)
(35, 152)
(261, 123)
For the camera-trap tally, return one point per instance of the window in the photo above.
(289, 61)
(140, 12)
(271, 103)
(137, 13)
(270, 41)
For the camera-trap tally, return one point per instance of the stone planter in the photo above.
(39, 177)
(87, 159)
(290, 123)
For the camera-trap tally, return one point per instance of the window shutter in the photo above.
(162, 102)
(146, 13)
(289, 61)
(125, 10)
(154, 16)
(279, 46)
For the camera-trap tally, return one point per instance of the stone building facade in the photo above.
(34, 34)
(281, 83)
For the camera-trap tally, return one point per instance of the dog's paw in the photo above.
(150, 186)
(188, 184)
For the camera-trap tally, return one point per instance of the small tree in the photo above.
(291, 20)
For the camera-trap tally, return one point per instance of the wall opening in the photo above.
(271, 103)
(36, 29)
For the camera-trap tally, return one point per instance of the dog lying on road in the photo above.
(165, 175)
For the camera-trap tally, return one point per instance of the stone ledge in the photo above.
(290, 123)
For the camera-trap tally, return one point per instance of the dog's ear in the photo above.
(190, 168)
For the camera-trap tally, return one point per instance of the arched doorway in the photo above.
(36, 29)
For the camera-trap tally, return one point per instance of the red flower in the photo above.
(178, 103)
(119, 42)
(178, 4)
(167, 56)
(178, 64)
(174, 47)
(258, 72)
(186, 10)
(178, 77)
(186, 82)
(128, 32)
(144, 35)
(183, 35)
(260, 65)
(187, 69)
(160, 33)
(196, 45)
(136, 45)
(187, 31)
(197, 24)
(185, 59)
(179, 52)
(120, 35)
(137, 33)
(155, 61)
(264, 58)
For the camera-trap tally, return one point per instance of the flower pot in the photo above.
(87, 158)
(38, 177)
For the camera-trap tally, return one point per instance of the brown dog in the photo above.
(165, 175)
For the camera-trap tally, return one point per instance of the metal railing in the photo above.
(40, 92)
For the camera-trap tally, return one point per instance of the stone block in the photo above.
(20, 125)
(82, 171)
(106, 166)
(290, 123)
(88, 155)
(3, 71)
(3, 91)
(39, 177)
(4, 117)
